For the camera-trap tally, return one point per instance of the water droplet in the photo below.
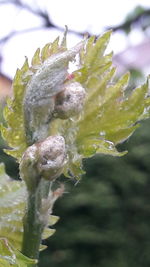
(99, 115)
(110, 145)
(73, 119)
(102, 133)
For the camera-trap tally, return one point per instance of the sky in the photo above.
(92, 16)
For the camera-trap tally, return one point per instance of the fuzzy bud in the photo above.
(70, 101)
(41, 90)
(45, 159)
(51, 157)
(28, 168)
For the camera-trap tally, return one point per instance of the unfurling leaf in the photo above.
(108, 116)
(28, 113)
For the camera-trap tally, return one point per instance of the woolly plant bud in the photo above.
(28, 167)
(45, 159)
(41, 90)
(51, 157)
(70, 101)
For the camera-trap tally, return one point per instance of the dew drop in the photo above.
(110, 145)
(102, 133)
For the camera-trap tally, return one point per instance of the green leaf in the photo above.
(12, 205)
(14, 133)
(13, 197)
(48, 232)
(109, 116)
(52, 220)
(9, 256)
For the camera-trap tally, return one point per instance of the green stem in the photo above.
(33, 224)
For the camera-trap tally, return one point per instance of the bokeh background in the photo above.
(105, 218)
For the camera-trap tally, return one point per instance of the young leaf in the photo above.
(13, 197)
(9, 256)
(109, 116)
(15, 132)
(12, 204)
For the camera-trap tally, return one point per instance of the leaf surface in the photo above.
(13, 197)
(9, 256)
(14, 132)
(109, 116)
